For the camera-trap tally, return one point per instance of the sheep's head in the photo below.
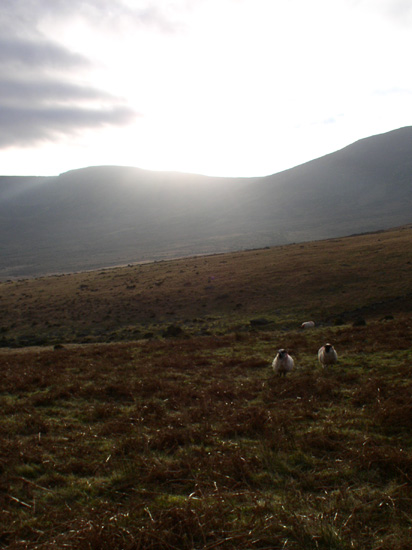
(282, 352)
(328, 347)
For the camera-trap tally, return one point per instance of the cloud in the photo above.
(25, 126)
(107, 14)
(400, 11)
(118, 14)
(397, 11)
(41, 98)
(29, 90)
(207, 75)
(38, 54)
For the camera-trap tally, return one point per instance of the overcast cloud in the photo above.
(40, 99)
(224, 87)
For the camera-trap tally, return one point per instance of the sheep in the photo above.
(327, 355)
(282, 363)
(307, 324)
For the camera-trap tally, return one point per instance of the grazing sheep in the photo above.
(327, 355)
(307, 324)
(282, 363)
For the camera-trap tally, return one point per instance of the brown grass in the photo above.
(367, 276)
(194, 443)
(191, 441)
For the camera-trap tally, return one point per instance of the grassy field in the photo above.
(192, 442)
(340, 279)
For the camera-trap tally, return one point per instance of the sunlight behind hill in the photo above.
(106, 216)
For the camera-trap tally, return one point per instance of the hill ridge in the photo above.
(103, 216)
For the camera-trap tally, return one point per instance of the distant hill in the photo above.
(331, 282)
(104, 216)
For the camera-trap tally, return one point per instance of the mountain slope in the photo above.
(365, 186)
(102, 216)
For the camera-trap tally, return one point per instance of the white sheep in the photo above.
(307, 324)
(327, 355)
(282, 363)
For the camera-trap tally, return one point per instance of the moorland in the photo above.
(139, 409)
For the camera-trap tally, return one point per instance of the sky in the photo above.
(216, 87)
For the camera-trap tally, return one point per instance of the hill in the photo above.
(192, 441)
(105, 216)
(330, 281)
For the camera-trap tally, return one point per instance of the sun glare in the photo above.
(224, 87)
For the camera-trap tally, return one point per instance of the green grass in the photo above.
(194, 443)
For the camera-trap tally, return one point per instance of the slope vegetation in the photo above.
(193, 442)
(331, 281)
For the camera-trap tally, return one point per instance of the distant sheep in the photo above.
(307, 324)
(282, 363)
(327, 355)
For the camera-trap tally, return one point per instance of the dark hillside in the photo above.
(363, 187)
(105, 216)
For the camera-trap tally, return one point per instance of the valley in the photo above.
(105, 216)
